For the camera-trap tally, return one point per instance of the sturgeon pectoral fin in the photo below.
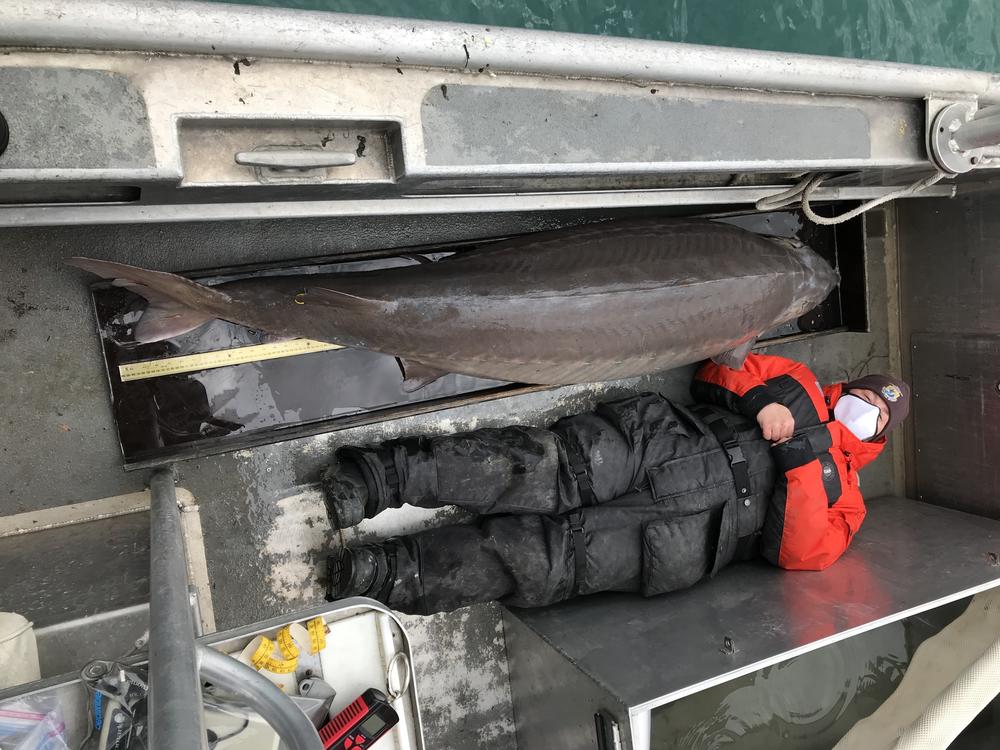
(735, 357)
(416, 375)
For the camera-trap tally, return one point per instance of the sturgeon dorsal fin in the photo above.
(416, 374)
(342, 300)
(735, 357)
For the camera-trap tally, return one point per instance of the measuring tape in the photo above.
(156, 368)
(317, 634)
(290, 640)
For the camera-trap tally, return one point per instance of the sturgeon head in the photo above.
(817, 280)
(813, 283)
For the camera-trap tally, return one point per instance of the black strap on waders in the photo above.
(724, 432)
(387, 456)
(579, 468)
(579, 549)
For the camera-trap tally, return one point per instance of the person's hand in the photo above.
(776, 423)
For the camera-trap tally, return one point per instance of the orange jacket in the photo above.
(816, 508)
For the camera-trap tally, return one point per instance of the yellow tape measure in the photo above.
(262, 654)
(156, 368)
(286, 644)
(280, 666)
(317, 634)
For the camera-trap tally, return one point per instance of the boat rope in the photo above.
(803, 190)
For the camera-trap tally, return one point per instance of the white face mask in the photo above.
(857, 415)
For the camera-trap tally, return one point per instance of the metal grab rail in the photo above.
(214, 29)
(175, 709)
(175, 661)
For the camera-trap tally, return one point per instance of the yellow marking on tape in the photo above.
(317, 634)
(241, 355)
(286, 645)
(262, 654)
(280, 666)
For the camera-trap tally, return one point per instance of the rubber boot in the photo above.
(346, 494)
(364, 570)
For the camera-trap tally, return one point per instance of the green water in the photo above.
(951, 33)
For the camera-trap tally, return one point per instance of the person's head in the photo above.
(873, 405)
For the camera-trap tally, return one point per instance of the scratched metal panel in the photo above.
(73, 119)
(489, 125)
(956, 382)
(554, 701)
(949, 274)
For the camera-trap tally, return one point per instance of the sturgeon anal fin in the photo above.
(416, 374)
(163, 318)
(735, 357)
(167, 320)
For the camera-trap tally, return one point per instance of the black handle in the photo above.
(608, 733)
(4, 134)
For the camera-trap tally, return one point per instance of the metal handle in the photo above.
(175, 710)
(291, 159)
(278, 710)
(982, 131)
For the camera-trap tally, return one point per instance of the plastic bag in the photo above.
(32, 725)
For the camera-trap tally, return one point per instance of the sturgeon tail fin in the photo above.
(176, 305)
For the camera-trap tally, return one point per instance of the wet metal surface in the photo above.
(74, 571)
(908, 557)
(786, 706)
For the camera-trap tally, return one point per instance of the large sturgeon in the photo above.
(599, 302)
